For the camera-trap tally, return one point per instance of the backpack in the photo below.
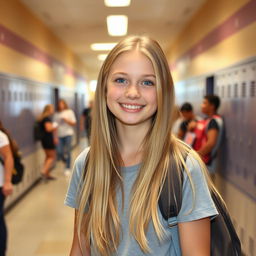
(224, 239)
(18, 170)
(38, 131)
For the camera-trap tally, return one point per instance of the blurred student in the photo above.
(188, 115)
(177, 120)
(6, 187)
(86, 119)
(66, 120)
(48, 140)
(208, 131)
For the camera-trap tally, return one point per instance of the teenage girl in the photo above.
(48, 140)
(115, 194)
(65, 117)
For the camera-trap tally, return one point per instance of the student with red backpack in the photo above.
(207, 133)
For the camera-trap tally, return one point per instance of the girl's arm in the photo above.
(6, 153)
(76, 249)
(69, 121)
(195, 237)
(49, 127)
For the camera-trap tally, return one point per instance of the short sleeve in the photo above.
(183, 126)
(75, 181)
(213, 125)
(203, 206)
(3, 139)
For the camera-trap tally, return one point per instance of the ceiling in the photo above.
(79, 23)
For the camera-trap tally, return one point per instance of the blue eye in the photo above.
(120, 80)
(148, 83)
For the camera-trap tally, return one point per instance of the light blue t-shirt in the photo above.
(170, 246)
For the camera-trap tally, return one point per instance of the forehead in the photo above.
(132, 61)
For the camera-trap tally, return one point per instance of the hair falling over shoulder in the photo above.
(100, 225)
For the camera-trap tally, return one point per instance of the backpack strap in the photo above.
(170, 199)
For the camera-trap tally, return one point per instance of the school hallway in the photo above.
(40, 224)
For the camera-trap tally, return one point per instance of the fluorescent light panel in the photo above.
(117, 25)
(117, 3)
(102, 46)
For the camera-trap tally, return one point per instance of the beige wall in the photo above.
(19, 19)
(235, 48)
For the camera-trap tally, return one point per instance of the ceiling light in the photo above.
(117, 25)
(117, 3)
(103, 46)
(102, 57)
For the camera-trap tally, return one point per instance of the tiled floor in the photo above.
(40, 224)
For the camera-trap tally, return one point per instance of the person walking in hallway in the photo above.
(66, 120)
(49, 140)
(6, 187)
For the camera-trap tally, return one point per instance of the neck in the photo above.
(131, 142)
(212, 114)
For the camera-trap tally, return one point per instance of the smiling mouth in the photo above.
(131, 106)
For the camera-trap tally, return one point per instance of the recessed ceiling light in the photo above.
(117, 3)
(102, 57)
(102, 46)
(117, 25)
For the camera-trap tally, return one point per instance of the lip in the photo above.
(131, 107)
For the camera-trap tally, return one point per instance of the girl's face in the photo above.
(131, 89)
(61, 105)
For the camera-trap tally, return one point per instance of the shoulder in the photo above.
(80, 160)
(69, 111)
(184, 124)
(3, 139)
(196, 198)
(192, 160)
(192, 163)
(213, 124)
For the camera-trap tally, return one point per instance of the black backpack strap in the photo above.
(171, 195)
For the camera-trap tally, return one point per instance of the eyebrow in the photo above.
(123, 73)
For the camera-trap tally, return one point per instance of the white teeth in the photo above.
(131, 106)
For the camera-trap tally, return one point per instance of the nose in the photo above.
(132, 92)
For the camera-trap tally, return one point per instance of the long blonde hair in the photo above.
(101, 225)
(47, 111)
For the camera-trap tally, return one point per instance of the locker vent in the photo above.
(252, 89)
(244, 89)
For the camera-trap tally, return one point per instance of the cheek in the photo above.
(152, 97)
(111, 96)
(113, 93)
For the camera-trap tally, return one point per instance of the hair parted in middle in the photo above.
(100, 225)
